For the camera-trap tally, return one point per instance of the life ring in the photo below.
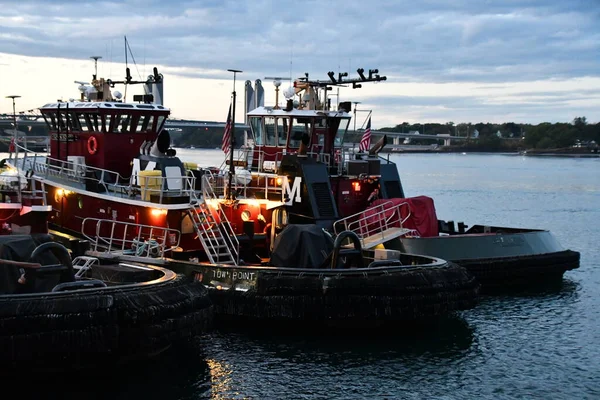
(92, 145)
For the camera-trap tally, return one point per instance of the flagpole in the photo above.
(232, 136)
(15, 127)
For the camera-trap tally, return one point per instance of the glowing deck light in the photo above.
(157, 212)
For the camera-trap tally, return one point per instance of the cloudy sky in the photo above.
(445, 60)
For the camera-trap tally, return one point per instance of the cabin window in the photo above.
(270, 133)
(300, 126)
(145, 124)
(257, 129)
(82, 122)
(114, 122)
(124, 124)
(52, 122)
(74, 122)
(135, 123)
(160, 122)
(96, 122)
(60, 121)
(107, 122)
(48, 124)
(341, 131)
(283, 126)
(87, 121)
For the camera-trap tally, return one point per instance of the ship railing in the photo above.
(100, 179)
(17, 186)
(12, 188)
(129, 238)
(33, 190)
(229, 235)
(216, 181)
(71, 171)
(382, 222)
(261, 186)
(158, 188)
(241, 159)
(268, 162)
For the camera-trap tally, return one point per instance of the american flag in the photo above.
(227, 133)
(365, 142)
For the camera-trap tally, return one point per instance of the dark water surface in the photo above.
(541, 345)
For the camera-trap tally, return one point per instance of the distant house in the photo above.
(475, 134)
(414, 133)
(499, 134)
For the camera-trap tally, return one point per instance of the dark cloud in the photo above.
(438, 41)
(490, 41)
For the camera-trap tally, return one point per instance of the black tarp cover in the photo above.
(19, 248)
(301, 246)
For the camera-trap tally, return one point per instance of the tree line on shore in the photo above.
(493, 137)
(481, 136)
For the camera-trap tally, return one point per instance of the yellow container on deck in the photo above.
(190, 165)
(150, 183)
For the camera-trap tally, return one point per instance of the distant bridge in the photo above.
(173, 124)
(177, 124)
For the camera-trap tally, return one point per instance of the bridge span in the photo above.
(174, 124)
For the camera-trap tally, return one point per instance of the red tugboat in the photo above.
(253, 235)
(331, 185)
(365, 195)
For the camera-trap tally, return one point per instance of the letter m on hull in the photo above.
(289, 195)
(311, 194)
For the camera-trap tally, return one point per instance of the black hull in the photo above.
(506, 259)
(94, 327)
(521, 272)
(371, 297)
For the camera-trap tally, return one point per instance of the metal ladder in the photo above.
(214, 232)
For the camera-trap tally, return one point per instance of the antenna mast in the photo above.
(95, 58)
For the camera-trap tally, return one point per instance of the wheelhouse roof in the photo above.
(270, 111)
(104, 105)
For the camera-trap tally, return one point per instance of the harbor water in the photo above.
(535, 345)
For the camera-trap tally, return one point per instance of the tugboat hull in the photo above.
(114, 313)
(499, 260)
(422, 288)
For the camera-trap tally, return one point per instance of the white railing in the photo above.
(158, 187)
(339, 160)
(374, 220)
(262, 185)
(129, 238)
(15, 187)
(110, 182)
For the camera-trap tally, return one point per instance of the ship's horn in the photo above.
(304, 145)
(377, 147)
(161, 144)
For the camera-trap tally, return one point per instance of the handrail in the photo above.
(219, 186)
(373, 220)
(229, 235)
(110, 181)
(339, 160)
(14, 188)
(141, 240)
